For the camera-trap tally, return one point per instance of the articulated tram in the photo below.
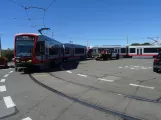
(131, 51)
(37, 50)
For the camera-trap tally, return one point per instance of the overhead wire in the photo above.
(34, 7)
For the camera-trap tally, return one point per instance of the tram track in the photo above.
(124, 116)
(109, 91)
(107, 110)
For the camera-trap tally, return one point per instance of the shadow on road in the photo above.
(68, 65)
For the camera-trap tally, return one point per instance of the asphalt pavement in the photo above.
(27, 100)
(114, 89)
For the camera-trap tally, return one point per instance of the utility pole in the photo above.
(127, 41)
(157, 40)
(0, 47)
(87, 44)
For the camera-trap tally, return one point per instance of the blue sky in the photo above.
(98, 21)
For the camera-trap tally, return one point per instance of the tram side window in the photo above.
(123, 50)
(39, 48)
(132, 50)
(54, 50)
(79, 50)
(67, 50)
(150, 50)
(51, 51)
(62, 50)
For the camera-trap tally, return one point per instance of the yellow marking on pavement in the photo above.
(40, 75)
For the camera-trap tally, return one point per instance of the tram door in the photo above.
(139, 51)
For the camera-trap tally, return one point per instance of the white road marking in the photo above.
(3, 80)
(2, 88)
(10, 71)
(149, 62)
(132, 68)
(141, 86)
(120, 67)
(6, 75)
(82, 75)
(136, 66)
(69, 71)
(9, 102)
(28, 118)
(105, 80)
(119, 94)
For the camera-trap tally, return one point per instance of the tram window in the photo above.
(123, 50)
(150, 50)
(51, 51)
(79, 50)
(40, 47)
(56, 50)
(132, 50)
(62, 50)
(67, 50)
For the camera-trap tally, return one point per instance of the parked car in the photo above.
(157, 63)
(3, 62)
(115, 55)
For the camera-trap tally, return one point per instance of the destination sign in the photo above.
(25, 38)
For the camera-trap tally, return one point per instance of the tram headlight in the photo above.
(29, 61)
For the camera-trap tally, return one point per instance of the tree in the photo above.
(146, 43)
(9, 54)
(135, 44)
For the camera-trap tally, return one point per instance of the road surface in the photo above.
(85, 90)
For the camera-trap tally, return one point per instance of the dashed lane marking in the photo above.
(82, 75)
(28, 118)
(69, 71)
(3, 80)
(141, 86)
(10, 71)
(136, 66)
(149, 62)
(105, 80)
(2, 88)
(6, 75)
(9, 102)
